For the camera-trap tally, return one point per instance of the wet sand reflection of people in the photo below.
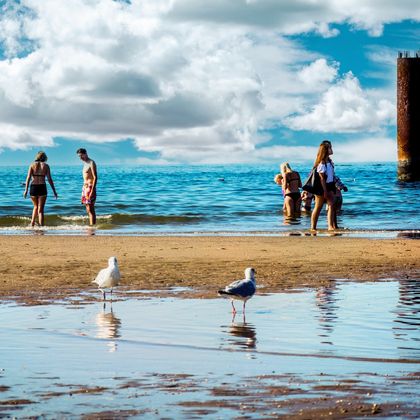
(291, 220)
(326, 302)
(108, 327)
(407, 320)
(241, 334)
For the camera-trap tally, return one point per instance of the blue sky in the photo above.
(161, 82)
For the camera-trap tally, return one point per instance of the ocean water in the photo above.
(215, 199)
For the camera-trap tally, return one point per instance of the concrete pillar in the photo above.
(408, 116)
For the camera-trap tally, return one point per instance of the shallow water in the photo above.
(172, 356)
(207, 198)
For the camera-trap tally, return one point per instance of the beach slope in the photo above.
(43, 267)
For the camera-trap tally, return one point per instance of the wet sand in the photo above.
(37, 268)
(264, 396)
(44, 269)
(186, 358)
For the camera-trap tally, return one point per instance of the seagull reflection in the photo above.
(326, 303)
(108, 327)
(241, 334)
(407, 320)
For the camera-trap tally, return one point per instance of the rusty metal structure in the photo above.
(408, 116)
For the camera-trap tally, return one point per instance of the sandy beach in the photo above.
(148, 356)
(34, 266)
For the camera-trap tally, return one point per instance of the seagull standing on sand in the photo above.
(108, 277)
(241, 289)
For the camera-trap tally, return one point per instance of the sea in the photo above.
(208, 200)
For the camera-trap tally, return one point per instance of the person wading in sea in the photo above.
(90, 179)
(37, 172)
(325, 167)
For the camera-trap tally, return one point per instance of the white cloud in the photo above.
(369, 149)
(191, 80)
(170, 84)
(21, 138)
(374, 149)
(345, 107)
(383, 59)
(381, 55)
(298, 16)
(141, 161)
(318, 74)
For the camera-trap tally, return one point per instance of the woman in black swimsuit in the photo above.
(37, 172)
(291, 183)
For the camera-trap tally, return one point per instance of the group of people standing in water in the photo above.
(39, 170)
(288, 179)
(295, 201)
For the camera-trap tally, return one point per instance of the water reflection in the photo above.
(414, 234)
(38, 231)
(407, 320)
(90, 231)
(240, 334)
(108, 326)
(326, 299)
(289, 220)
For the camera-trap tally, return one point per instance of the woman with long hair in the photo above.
(291, 183)
(325, 167)
(37, 172)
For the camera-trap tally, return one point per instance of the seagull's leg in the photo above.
(233, 307)
(111, 293)
(103, 294)
(243, 309)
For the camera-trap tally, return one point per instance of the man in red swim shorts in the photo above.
(90, 178)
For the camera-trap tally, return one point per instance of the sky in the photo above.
(195, 82)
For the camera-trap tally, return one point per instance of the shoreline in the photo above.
(81, 231)
(45, 268)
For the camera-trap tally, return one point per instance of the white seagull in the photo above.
(241, 289)
(108, 277)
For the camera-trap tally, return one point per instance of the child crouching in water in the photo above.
(307, 199)
(278, 179)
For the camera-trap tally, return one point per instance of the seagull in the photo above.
(108, 277)
(241, 289)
